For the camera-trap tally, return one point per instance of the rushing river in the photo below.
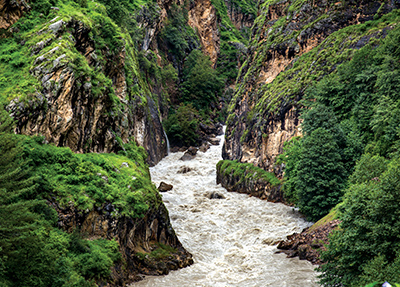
(231, 239)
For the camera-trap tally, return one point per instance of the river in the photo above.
(231, 239)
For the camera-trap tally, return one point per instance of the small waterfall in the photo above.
(166, 137)
(232, 239)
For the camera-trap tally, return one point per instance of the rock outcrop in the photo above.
(246, 178)
(137, 238)
(283, 60)
(11, 12)
(88, 113)
(203, 18)
(308, 244)
(241, 19)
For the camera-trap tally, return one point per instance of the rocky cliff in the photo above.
(203, 18)
(293, 44)
(137, 239)
(89, 95)
(11, 12)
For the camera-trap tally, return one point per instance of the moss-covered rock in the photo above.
(247, 178)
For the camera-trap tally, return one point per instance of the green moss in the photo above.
(91, 180)
(332, 215)
(246, 171)
(160, 251)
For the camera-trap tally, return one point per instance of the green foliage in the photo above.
(179, 37)
(291, 158)
(160, 251)
(232, 41)
(32, 251)
(201, 85)
(90, 180)
(320, 177)
(366, 246)
(183, 125)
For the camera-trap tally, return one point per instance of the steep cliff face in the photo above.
(12, 11)
(242, 16)
(293, 44)
(89, 94)
(137, 238)
(203, 18)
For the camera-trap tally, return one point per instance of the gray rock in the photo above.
(57, 26)
(204, 147)
(57, 62)
(215, 195)
(87, 86)
(189, 154)
(124, 164)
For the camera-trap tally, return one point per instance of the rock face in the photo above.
(189, 154)
(71, 111)
(264, 112)
(12, 11)
(238, 17)
(136, 237)
(308, 244)
(202, 17)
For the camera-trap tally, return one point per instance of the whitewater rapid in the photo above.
(232, 239)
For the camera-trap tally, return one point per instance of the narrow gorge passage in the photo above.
(231, 239)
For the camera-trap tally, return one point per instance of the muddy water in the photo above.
(231, 239)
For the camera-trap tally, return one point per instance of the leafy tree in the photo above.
(370, 230)
(182, 126)
(291, 157)
(320, 177)
(201, 84)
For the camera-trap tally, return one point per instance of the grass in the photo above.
(332, 215)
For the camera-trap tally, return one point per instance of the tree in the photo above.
(320, 177)
(370, 230)
(182, 126)
(291, 157)
(201, 84)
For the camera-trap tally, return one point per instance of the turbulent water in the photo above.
(231, 239)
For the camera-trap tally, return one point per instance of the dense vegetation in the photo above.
(33, 250)
(350, 154)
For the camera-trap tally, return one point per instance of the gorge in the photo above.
(102, 100)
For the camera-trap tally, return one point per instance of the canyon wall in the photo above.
(293, 44)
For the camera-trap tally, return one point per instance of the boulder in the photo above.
(204, 147)
(184, 169)
(164, 187)
(192, 150)
(214, 141)
(215, 195)
(189, 154)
